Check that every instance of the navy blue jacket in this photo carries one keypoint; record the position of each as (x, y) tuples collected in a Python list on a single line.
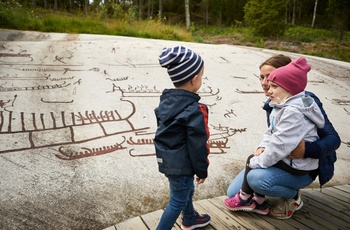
[(322, 149), (182, 134)]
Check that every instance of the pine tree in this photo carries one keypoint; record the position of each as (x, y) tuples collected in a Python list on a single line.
[(266, 17)]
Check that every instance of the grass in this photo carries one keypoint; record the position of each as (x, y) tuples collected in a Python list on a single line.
[(303, 40), (132, 28)]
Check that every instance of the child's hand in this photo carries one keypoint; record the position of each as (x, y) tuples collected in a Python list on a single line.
[(199, 181), (258, 151)]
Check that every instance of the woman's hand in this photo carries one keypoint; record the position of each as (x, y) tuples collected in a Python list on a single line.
[(299, 151)]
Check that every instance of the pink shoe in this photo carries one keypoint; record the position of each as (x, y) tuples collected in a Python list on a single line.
[(237, 204), (262, 209)]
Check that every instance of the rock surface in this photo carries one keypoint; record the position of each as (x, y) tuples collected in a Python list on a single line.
[(77, 122)]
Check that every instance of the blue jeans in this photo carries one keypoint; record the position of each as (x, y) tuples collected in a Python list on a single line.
[(181, 193), (270, 181)]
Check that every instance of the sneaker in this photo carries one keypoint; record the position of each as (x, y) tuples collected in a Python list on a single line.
[(262, 209), (200, 220), (237, 204), (286, 208)]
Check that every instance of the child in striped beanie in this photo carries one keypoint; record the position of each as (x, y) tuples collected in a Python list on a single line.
[(182, 64), (181, 136)]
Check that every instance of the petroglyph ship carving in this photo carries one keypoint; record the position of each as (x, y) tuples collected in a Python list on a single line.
[(47, 130)]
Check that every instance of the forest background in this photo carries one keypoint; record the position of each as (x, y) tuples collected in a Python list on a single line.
[(311, 27)]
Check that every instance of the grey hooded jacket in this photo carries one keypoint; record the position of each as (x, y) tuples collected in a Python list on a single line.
[(290, 122)]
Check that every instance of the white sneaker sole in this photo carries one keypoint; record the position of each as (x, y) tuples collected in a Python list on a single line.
[(195, 226), (287, 217)]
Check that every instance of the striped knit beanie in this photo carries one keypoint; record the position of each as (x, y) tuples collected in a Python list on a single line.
[(182, 64), (292, 77)]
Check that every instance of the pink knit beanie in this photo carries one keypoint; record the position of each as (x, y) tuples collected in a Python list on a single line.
[(292, 77)]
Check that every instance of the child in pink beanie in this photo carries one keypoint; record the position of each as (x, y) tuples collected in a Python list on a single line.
[(292, 77), (294, 117)]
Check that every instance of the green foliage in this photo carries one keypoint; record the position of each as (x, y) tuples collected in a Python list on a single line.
[(54, 23), (51, 25), (133, 12), (340, 10), (298, 39), (308, 34), (213, 30), (151, 29), (123, 27), (118, 12), (14, 16), (266, 17)]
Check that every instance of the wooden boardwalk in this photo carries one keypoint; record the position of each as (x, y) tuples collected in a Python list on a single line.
[(326, 209)]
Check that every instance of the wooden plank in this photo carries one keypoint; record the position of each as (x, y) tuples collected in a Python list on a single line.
[(311, 217), (338, 194), (321, 207), (246, 219), (311, 220), (327, 218), (110, 228), (151, 219), (326, 209), (179, 221), (345, 187), (335, 204), (219, 219), (290, 223), (280, 224), (132, 224)]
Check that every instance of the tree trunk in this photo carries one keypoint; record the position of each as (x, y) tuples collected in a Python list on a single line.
[(206, 12), (86, 7), (150, 9), (293, 16), (314, 16), (187, 12), (286, 16), (34, 4), (140, 9), (55, 6), (160, 10)]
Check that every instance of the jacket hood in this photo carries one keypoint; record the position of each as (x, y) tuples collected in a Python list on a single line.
[(173, 102), (306, 105)]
